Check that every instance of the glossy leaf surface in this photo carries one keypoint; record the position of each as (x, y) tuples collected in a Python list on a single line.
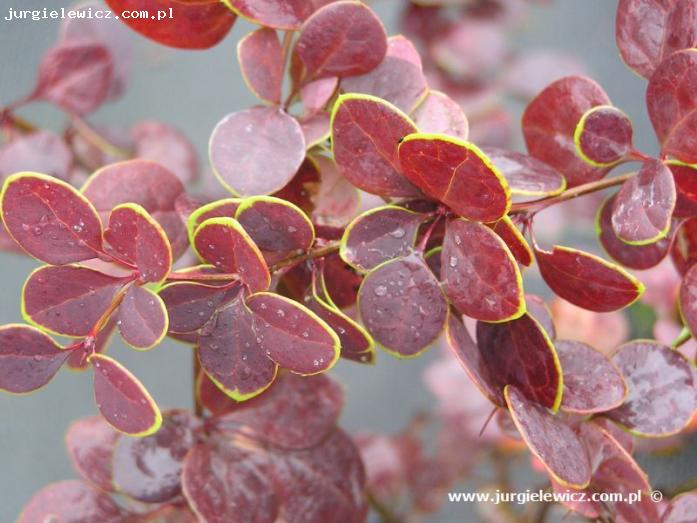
[(603, 136), (261, 60), (438, 113), (191, 304), (526, 175), (142, 318), (90, 443), (225, 208), (514, 240)]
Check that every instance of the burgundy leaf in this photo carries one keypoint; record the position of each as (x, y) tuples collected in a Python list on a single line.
[(438, 113), (190, 304), (41, 151), (149, 469), (662, 394), (684, 248), (549, 123), (591, 382), (603, 136), (514, 240), (341, 39), (122, 399), (49, 219), (292, 335), (223, 242), (537, 308), (551, 440), (480, 276), (211, 397), (142, 318), (256, 151), (261, 61), (586, 280), (225, 208), (278, 14), (529, 361), (644, 205), (366, 132), (688, 299), (671, 101), (230, 352), (316, 129), (336, 201), (379, 235), (457, 173), (402, 306), (137, 239), (167, 146), (315, 95), (68, 300), (685, 189), (90, 443), (682, 508), (526, 175), (29, 358)]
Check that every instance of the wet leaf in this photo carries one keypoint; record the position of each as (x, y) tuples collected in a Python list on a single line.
[(526, 175), (261, 61), (191, 304), (225, 208), (438, 113), (603, 136), (41, 151), (90, 442), (142, 318), (514, 240)]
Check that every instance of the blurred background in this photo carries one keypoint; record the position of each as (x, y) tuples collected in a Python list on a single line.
[(193, 91)]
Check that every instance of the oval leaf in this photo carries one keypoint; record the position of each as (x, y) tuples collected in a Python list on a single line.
[(41, 151), (526, 176), (190, 304), (142, 318), (225, 208), (440, 114), (603, 136), (279, 14), (90, 442), (261, 60), (514, 240)]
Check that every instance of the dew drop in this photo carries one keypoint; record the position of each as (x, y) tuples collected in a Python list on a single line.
[(398, 233), (380, 290)]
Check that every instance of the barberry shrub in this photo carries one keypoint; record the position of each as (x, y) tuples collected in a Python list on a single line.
[(273, 283)]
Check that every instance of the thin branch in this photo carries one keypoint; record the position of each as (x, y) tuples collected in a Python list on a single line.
[(315, 253), (90, 134)]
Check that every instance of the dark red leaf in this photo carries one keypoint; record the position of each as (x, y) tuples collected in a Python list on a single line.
[(603, 136), (223, 242), (402, 306), (149, 469), (292, 335), (71, 501), (514, 240), (438, 113), (122, 399), (457, 173), (366, 132), (550, 439), (529, 361), (144, 183), (211, 397), (167, 146), (192, 25), (247, 155), (549, 123), (688, 299), (480, 275), (684, 248), (639, 257), (671, 100), (41, 151), (279, 14), (230, 352), (643, 207), (586, 280), (225, 208), (137, 239), (75, 75), (537, 308), (341, 280), (142, 318), (261, 61), (526, 176), (190, 304), (90, 442), (647, 31), (29, 358), (341, 39), (662, 390), (379, 235), (685, 188), (591, 382), (49, 219), (68, 300)]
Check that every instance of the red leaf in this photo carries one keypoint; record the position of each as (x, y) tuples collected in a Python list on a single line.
[(365, 135), (685, 189), (122, 399), (514, 240), (144, 183), (230, 352), (211, 397), (684, 248), (603, 136), (41, 151), (29, 358), (223, 242), (480, 275), (402, 306), (341, 39), (648, 31), (68, 300), (549, 123), (551, 440), (316, 94), (71, 500), (438, 113), (662, 389), (681, 509), (671, 101), (247, 156), (190, 304), (335, 201), (644, 205), (457, 173), (261, 61), (278, 14), (539, 311), (379, 235), (591, 382), (137, 239), (586, 280), (90, 442), (149, 469), (225, 208), (75, 75), (526, 176), (529, 361), (197, 25), (143, 319), (49, 219), (167, 146), (292, 335)]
